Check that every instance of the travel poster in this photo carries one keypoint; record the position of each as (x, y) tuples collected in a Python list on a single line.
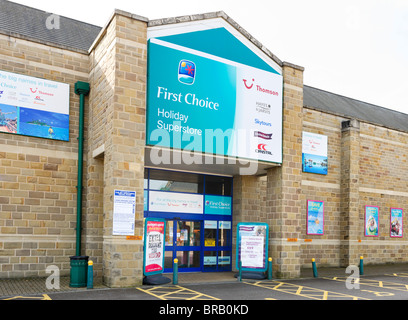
[(371, 221), (396, 223), (314, 158), (34, 107), (315, 217)]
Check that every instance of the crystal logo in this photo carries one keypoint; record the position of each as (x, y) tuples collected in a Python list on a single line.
[(262, 149), (187, 72)]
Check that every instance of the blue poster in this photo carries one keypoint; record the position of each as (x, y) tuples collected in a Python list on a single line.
[(315, 217)]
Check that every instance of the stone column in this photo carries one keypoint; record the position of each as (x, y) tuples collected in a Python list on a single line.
[(284, 183), (119, 68), (246, 205), (349, 206)]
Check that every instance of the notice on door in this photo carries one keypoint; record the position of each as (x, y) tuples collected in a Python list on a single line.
[(124, 209)]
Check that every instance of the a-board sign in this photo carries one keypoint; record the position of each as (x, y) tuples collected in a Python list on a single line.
[(153, 262), (252, 246)]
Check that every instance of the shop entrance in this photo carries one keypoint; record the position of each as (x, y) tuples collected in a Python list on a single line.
[(198, 213), (183, 242)]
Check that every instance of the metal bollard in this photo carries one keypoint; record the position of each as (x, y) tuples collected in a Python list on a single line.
[(90, 275), (314, 268), (361, 266), (240, 272), (270, 269), (175, 272)]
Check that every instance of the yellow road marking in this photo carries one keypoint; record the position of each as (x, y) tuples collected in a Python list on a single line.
[(376, 283), (176, 293), (308, 292), (44, 297)]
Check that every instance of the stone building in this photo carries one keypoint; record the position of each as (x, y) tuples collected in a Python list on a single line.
[(363, 168)]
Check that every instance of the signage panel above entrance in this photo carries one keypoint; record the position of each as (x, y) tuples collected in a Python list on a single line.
[(213, 101)]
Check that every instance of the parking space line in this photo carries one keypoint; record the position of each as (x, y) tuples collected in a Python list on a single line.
[(176, 293), (302, 291), (376, 283), (44, 297)]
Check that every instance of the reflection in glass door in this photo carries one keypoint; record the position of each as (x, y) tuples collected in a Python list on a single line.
[(183, 241)]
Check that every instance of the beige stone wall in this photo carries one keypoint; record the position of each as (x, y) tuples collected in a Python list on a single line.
[(367, 166), (119, 66), (38, 177)]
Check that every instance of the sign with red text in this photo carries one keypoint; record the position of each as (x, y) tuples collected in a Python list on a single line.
[(154, 246)]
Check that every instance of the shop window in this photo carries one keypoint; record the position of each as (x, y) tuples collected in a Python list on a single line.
[(224, 239), (221, 186), (176, 181)]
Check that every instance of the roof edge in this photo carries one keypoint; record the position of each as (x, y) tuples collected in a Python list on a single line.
[(111, 17), (214, 15)]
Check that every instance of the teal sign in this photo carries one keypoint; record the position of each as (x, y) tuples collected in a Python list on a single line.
[(218, 205), (201, 97)]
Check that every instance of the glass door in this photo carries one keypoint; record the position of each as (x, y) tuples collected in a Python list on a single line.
[(183, 241)]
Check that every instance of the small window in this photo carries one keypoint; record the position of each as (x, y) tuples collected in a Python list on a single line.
[(221, 186)]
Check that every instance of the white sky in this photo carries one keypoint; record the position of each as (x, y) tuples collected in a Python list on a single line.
[(356, 48)]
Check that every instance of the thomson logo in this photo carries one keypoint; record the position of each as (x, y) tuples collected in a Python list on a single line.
[(251, 84)]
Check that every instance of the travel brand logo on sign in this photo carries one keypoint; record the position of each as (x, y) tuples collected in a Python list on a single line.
[(187, 72), (34, 107), (215, 116)]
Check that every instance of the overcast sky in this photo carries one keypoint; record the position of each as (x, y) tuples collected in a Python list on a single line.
[(356, 48)]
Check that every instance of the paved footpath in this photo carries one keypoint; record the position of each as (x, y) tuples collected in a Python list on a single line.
[(388, 282)]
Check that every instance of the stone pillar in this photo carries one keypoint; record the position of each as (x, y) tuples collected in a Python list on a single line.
[(349, 206), (246, 205), (119, 68), (284, 183)]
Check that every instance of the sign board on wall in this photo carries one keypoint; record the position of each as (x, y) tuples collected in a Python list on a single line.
[(252, 246), (34, 107), (124, 213), (175, 202), (153, 262), (314, 158), (315, 217), (200, 101)]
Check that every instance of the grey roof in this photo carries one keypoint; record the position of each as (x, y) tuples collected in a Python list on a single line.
[(350, 108), (31, 23), (27, 22)]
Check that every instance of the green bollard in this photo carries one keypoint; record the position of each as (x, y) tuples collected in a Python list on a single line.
[(314, 268), (90, 275), (270, 269), (361, 266), (175, 272), (240, 272)]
